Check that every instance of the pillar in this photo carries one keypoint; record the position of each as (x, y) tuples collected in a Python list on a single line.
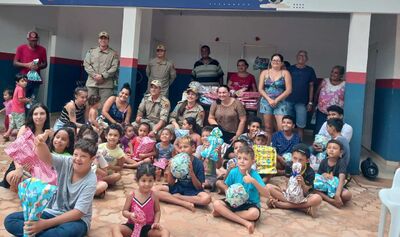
[(357, 57), (130, 49)]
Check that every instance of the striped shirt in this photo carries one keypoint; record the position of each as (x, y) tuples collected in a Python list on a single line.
[(210, 72), (80, 114)]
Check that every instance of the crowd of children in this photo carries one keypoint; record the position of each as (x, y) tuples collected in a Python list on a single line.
[(90, 161)]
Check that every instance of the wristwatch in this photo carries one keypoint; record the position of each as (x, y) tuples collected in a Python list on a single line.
[(310, 103), (155, 132)]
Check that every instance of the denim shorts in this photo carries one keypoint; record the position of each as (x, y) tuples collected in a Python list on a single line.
[(299, 111), (282, 108)]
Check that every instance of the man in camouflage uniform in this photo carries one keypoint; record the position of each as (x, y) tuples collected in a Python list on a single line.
[(153, 109), (101, 64), (160, 68)]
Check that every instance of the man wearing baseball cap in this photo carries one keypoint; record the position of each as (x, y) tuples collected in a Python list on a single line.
[(153, 109), (161, 69), (24, 56), (101, 64)]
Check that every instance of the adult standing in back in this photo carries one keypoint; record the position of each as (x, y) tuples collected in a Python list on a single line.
[(101, 64), (161, 69), (207, 70), (24, 56), (301, 99)]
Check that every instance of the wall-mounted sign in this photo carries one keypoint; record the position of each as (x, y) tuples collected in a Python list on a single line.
[(340, 6)]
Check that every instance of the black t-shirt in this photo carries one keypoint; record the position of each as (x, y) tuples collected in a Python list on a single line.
[(308, 175), (338, 168)]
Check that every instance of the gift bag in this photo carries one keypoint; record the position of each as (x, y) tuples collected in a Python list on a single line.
[(33, 75), (326, 185), (265, 159), (180, 165), (161, 163), (181, 133), (146, 145), (236, 195), (140, 221), (321, 140), (22, 151), (315, 160), (294, 193), (215, 140), (34, 195)]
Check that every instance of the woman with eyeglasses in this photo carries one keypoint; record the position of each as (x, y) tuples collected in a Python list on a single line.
[(275, 85)]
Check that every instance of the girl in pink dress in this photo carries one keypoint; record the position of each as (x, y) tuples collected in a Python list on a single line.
[(142, 208)]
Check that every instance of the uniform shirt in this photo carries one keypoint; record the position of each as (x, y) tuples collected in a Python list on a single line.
[(162, 70), (26, 54), (154, 110), (101, 62), (195, 112)]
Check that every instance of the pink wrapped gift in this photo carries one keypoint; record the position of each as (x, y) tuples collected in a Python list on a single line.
[(250, 94), (22, 151), (161, 163), (146, 145)]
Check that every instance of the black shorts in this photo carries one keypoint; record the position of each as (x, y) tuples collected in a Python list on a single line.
[(145, 229), (244, 207)]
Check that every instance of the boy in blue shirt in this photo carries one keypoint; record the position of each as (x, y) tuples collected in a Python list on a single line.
[(248, 213)]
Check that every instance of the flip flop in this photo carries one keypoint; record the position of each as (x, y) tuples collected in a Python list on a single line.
[(271, 203)]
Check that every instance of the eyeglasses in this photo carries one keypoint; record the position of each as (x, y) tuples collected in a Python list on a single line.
[(160, 50), (276, 61)]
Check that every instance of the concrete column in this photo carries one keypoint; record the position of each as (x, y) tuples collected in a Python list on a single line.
[(130, 49), (357, 57)]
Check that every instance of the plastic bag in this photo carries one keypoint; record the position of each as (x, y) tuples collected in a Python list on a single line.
[(236, 195), (294, 193), (214, 140), (146, 145), (32, 74), (326, 185), (180, 165), (22, 151)]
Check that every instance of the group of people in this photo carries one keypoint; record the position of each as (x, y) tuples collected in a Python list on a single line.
[(89, 149)]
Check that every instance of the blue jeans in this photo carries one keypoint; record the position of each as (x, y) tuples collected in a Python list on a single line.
[(299, 112), (320, 120), (14, 224)]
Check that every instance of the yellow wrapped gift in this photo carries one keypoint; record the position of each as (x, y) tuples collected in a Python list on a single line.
[(265, 159)]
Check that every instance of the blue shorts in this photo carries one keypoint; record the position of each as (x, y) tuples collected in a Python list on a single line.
[(183, 190), (299, 112), (282, 108)]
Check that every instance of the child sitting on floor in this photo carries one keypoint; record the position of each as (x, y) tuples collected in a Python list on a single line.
[(69, 212), (62, 142), (142, 208), (127, 140), (164, 150), (300, 154), (138, 158), (210, 166), (334, 166), (188, 190), (94, 105), (112, 153), (194, 129), (253, 127), (249, 212)]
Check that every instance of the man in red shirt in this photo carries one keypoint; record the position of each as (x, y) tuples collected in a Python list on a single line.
[(24, 57)]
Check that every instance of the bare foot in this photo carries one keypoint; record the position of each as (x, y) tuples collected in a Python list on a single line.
[(312, 211), (190, 206), (250, 227), (215, 213)]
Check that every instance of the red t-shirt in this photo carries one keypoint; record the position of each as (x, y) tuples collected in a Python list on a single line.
[(238, 82), (25, 54), (17, 106)]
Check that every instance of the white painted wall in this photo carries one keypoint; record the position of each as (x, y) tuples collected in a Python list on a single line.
[(323, 35), (17, 21)]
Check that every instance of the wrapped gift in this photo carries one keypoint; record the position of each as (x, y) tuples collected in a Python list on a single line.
[(236, 195), (161, 163), (315, 160), (250, 94), (287, 157), (180, 165), (181, 133), (214, 140), (321, 140), (33, 75), (328, 186), (294, 193), (34, 195), (146, 145), (265, 159), (22, 151), (140, 221)]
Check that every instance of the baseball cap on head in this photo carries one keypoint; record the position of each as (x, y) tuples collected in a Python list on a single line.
[(302, 148), (32, 36), (161, 47), (104, 34), (156, 83)]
